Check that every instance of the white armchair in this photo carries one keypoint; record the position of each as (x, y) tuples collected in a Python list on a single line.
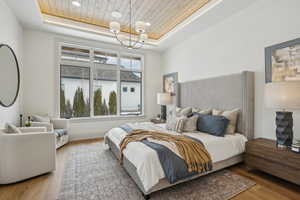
[(58, 126), (27, 154), (61, 127)]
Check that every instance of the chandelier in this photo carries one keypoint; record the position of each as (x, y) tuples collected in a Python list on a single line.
[(136, 36)]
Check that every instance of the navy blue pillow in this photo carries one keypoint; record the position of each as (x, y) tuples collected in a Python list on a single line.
[(212, 124)]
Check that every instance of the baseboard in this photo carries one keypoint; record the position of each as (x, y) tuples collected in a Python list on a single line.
[(84, 136)]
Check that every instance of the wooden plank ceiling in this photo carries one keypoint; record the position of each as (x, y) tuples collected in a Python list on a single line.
[(163, 15)]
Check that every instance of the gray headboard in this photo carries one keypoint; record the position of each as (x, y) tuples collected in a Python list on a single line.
[(224, 92)]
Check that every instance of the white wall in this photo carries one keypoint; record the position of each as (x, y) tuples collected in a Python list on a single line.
[(11, 33), (235, 44), (40, 81)]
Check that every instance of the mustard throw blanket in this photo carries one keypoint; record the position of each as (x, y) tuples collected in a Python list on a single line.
[(193, 153)]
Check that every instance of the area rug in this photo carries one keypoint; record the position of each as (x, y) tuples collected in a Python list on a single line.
[(93, 173)]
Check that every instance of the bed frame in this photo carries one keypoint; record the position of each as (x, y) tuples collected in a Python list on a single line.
[(224, 92)]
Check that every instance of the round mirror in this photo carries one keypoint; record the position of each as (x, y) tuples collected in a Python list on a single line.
[(9, 76)]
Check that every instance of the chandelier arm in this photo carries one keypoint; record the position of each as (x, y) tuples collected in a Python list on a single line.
[(136, 42), (134, 46), (130, 26), (141, 45), (121, 42)]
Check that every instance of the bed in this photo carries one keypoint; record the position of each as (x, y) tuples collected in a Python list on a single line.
[(224, 92)]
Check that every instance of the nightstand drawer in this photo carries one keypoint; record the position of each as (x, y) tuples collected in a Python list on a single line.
[(277, 169), (271, 153)]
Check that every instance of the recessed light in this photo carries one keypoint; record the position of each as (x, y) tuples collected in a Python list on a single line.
[(116, 14), (148, 24), (76, 3)]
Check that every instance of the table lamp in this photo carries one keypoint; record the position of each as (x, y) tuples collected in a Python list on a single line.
[(283, 96), (164, 99)]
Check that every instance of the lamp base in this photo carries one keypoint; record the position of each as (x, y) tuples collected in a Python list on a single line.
[(163, 112), (284, 129)]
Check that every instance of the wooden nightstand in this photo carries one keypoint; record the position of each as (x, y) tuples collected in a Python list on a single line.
[(263, 154), (158, 121)]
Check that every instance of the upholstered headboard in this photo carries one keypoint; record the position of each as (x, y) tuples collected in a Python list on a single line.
[(224, 92)]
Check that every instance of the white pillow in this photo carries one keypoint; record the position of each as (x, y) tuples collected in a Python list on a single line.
[(176, 124), (190, 124), (40, 118), (10, 128), (204, 112), (183, 111), (195, 109), (180, 121)]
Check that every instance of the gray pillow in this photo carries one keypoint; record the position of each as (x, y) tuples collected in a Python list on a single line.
[(231, 115), (10, 128), (212, 124), (190, 124)]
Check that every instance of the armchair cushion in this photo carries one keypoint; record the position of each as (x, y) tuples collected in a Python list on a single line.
[(60, 123), (47, 125), (33, 129)]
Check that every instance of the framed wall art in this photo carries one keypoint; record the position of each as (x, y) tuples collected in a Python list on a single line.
[(170, 83), (283, 61)]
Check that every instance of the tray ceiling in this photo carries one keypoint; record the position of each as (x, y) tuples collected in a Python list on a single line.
[(163, 15)]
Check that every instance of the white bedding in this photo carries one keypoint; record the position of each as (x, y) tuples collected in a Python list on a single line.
[(147, 162)]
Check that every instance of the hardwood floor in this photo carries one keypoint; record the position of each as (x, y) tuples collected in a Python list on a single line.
[(46, 187)]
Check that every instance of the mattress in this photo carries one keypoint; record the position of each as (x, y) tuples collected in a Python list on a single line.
[(147, 163)]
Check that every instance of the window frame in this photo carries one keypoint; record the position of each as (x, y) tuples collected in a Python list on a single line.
[(91, 65)]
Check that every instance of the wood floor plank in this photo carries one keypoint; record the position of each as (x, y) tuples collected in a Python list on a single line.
[(286, 189), (46, 187)]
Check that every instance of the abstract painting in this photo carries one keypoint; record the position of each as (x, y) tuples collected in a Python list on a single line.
[(170, 83), (283, 62)]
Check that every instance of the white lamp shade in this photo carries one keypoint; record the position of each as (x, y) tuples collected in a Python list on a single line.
[(140, 27), (283, 95), (164, 99)]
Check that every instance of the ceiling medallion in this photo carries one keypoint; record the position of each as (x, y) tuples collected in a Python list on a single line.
[(136, 37)]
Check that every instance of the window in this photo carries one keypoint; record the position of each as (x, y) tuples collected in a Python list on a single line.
[(131, 62), (74, 91), (105, 92), (95, 82), (105, 58), (77, 54), (131, 76), (75, 84)]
